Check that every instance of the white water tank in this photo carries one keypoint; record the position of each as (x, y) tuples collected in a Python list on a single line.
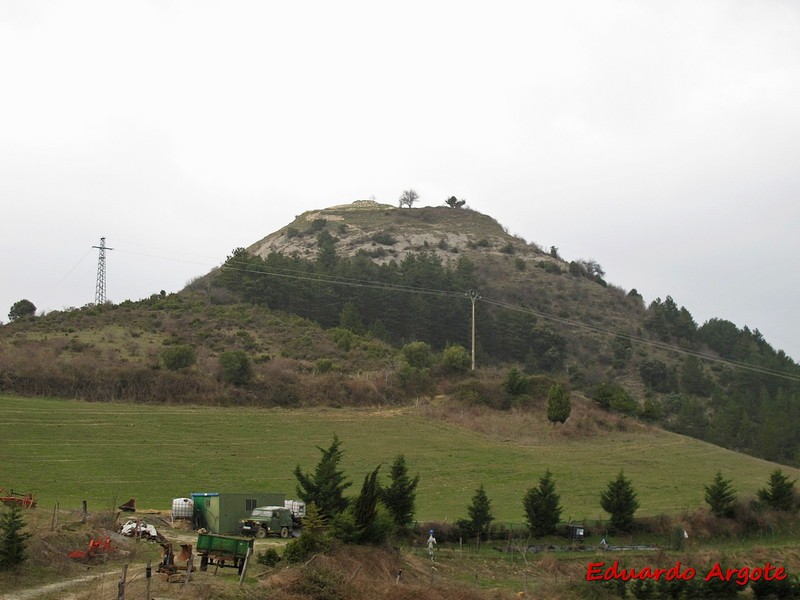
[(182, 508)]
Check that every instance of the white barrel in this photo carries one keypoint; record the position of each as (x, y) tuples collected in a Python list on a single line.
[(182, 508)]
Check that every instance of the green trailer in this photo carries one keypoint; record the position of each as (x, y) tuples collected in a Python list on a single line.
[(223, 550)]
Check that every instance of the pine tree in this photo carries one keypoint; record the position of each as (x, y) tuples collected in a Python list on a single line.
[(12, 539), (327, 485), (720, 496), (542, 507), (779, 493), (559, 406), (400, 496), (619, 500), (480, 514)]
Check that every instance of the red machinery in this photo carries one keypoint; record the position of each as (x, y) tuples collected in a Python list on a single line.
[(96, 549), (13, 498)]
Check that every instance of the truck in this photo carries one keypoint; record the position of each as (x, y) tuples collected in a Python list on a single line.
[(268, 520), (223, 550)]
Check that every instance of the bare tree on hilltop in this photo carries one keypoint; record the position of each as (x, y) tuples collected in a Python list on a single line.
[(408, 197)]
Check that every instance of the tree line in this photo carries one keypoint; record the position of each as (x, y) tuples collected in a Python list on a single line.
[(416, 299), (750, 408), (380, 512)]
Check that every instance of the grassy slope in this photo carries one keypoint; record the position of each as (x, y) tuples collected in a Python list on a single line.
[(66, 451)]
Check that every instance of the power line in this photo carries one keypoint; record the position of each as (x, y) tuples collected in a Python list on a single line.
[(334, 280)]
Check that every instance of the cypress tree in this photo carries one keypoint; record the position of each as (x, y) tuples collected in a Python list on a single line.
[(365, 507), (559, 406)]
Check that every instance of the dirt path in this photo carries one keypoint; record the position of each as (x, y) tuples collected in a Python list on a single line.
[(64, 586)]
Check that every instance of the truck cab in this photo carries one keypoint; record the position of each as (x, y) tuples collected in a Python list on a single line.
[(268, 520)]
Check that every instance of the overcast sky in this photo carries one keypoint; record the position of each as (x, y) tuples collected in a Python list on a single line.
[(661, 139)]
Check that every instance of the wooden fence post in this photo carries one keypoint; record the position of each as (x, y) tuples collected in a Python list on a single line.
[(189, 565), (244, 566), (148, 574), (121, 584)]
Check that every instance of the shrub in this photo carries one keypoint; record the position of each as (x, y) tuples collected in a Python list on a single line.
[(323, 365), (268, 558), (550, 267), (515, 383), (656, 375), (384, 238), (343, 338), (415, 381), (300, 548), (418, 355), (317, 225), (651, 410), (311, 541), (236, 368), (623, 402), (179, 357), (612, 396), (456, 359), (470, 392)]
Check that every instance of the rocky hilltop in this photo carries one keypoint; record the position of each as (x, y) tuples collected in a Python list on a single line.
[(366, 225)]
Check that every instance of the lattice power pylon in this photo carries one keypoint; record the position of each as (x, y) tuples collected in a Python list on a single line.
[(100, 289)]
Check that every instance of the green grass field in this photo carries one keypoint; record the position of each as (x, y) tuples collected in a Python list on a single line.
[(67, 451)]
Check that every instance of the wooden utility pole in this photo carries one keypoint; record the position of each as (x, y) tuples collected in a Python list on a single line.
[(473, 295)]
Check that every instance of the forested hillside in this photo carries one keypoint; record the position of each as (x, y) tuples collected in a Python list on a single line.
[(369, 304)]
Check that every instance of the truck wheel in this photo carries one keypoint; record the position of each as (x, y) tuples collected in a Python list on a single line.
[(284, 532), (261, 533)]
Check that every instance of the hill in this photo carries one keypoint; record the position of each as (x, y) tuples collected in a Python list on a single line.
[(327, 309)]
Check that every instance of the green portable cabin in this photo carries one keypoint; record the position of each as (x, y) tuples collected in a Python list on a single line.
[(220, 512)]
